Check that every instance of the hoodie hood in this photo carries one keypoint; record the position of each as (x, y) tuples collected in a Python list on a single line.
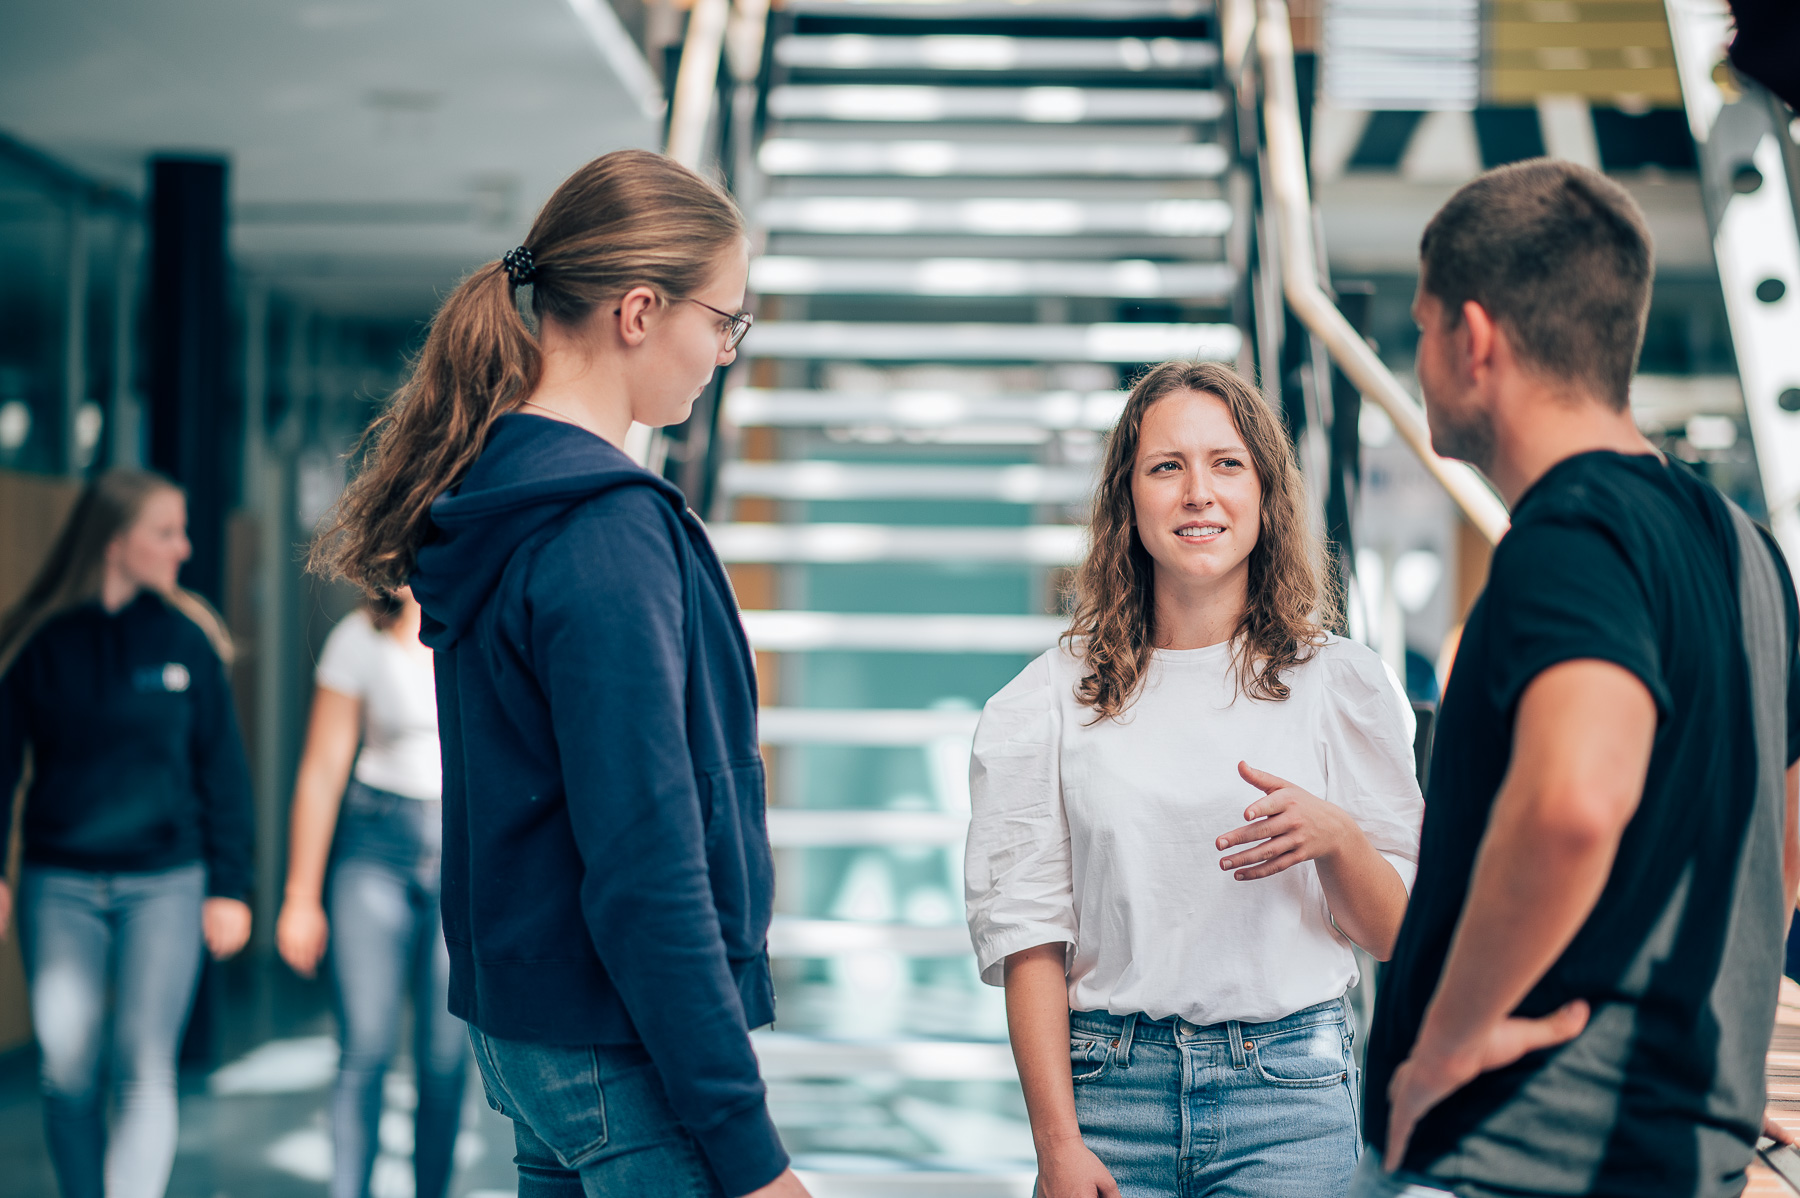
[(532, 471)]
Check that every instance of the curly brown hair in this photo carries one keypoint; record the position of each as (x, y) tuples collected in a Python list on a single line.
[(1290, 603)]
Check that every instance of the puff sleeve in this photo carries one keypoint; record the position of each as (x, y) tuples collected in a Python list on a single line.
[(1366, 728), (1017, 878)]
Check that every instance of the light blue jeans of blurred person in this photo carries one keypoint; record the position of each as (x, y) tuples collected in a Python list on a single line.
[(1371, 1182), (135, 937), (387, 941), (1226, 1110)]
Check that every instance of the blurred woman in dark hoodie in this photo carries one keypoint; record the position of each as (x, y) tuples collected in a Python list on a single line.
[(607, 884), (137, 823)]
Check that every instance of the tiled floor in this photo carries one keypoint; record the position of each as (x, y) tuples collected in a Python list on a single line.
[(1784, 1093), (255, 1127)]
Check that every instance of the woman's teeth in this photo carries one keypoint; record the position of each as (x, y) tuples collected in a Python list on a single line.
[(1201, 530)]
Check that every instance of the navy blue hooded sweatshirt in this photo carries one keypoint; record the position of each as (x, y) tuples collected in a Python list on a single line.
[(136, 764), (606, 876)]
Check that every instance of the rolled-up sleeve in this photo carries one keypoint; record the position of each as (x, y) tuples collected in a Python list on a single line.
[(1367, 730), (1017, 880)]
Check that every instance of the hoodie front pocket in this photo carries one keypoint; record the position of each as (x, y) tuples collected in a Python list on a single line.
[(737, 854)]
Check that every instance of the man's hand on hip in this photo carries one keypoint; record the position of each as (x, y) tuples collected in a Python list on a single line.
[(1429, 1076)]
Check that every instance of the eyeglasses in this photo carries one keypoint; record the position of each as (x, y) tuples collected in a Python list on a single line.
[(738, 323)]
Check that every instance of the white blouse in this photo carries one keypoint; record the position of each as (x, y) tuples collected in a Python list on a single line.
[(398, 688), (1102, 835)]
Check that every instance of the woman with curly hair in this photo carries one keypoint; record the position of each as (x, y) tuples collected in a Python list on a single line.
[(1183, 819)]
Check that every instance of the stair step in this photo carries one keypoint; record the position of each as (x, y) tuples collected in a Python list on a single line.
[(793, 828), (992, 52), (1023, 10), (1044, 544), (787, 1056), (808, 631), (753, 407), (995, 216), (1107, 342), (1045, 105), (906, 166), (862, 726), (856, 480), (777, 274), (985, 159), (791, 936)]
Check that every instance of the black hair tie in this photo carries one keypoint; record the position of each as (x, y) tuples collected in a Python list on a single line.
[(521, 267)]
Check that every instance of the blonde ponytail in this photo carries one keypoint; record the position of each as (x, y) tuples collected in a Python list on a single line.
[(477, 363), (630, 218)]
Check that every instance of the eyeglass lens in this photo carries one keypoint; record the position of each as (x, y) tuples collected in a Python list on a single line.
[(740, 325)]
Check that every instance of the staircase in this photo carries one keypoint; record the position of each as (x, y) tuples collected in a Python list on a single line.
[(981, 218), (1749, 153)]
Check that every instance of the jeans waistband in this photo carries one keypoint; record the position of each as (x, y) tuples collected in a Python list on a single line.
[(391, 829), (360, 796), (1175, 1029)]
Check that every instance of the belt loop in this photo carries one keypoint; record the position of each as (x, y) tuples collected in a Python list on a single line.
[(1125, 1037), (1235, 1032)]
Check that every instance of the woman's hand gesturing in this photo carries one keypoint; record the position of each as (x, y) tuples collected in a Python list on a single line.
[(1291, 824)]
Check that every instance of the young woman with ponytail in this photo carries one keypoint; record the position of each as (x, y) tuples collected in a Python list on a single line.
[(137, 823), (607, 884)]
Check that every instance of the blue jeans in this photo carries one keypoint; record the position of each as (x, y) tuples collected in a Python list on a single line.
[(1226, 1110), (138, 936), (387, 939), (1371, 1182), (590, 1121)]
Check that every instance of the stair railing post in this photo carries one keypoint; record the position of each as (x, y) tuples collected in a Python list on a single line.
[(1292, 222)]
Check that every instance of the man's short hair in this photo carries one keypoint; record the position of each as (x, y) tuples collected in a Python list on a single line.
[(1560, 256)]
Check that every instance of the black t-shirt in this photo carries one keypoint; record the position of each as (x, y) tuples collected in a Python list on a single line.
[(1626, 560)]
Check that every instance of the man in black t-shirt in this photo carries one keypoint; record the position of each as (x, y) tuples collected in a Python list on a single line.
[(1583, 991)]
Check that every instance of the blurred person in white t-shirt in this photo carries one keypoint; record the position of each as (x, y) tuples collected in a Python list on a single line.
[(363, 867)]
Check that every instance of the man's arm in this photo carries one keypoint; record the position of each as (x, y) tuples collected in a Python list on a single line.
[(1581, 750)]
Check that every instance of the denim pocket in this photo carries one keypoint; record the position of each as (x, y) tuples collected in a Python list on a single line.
[(554, 1089), (1303, 1058), (1089, 1055), (484, 1067)]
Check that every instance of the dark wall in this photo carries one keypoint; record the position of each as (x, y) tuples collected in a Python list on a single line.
[(193, 429)]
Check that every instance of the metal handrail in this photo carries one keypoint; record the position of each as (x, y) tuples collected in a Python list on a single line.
[(1292, 220), (690, 113), (65, 178), (697, 81)]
